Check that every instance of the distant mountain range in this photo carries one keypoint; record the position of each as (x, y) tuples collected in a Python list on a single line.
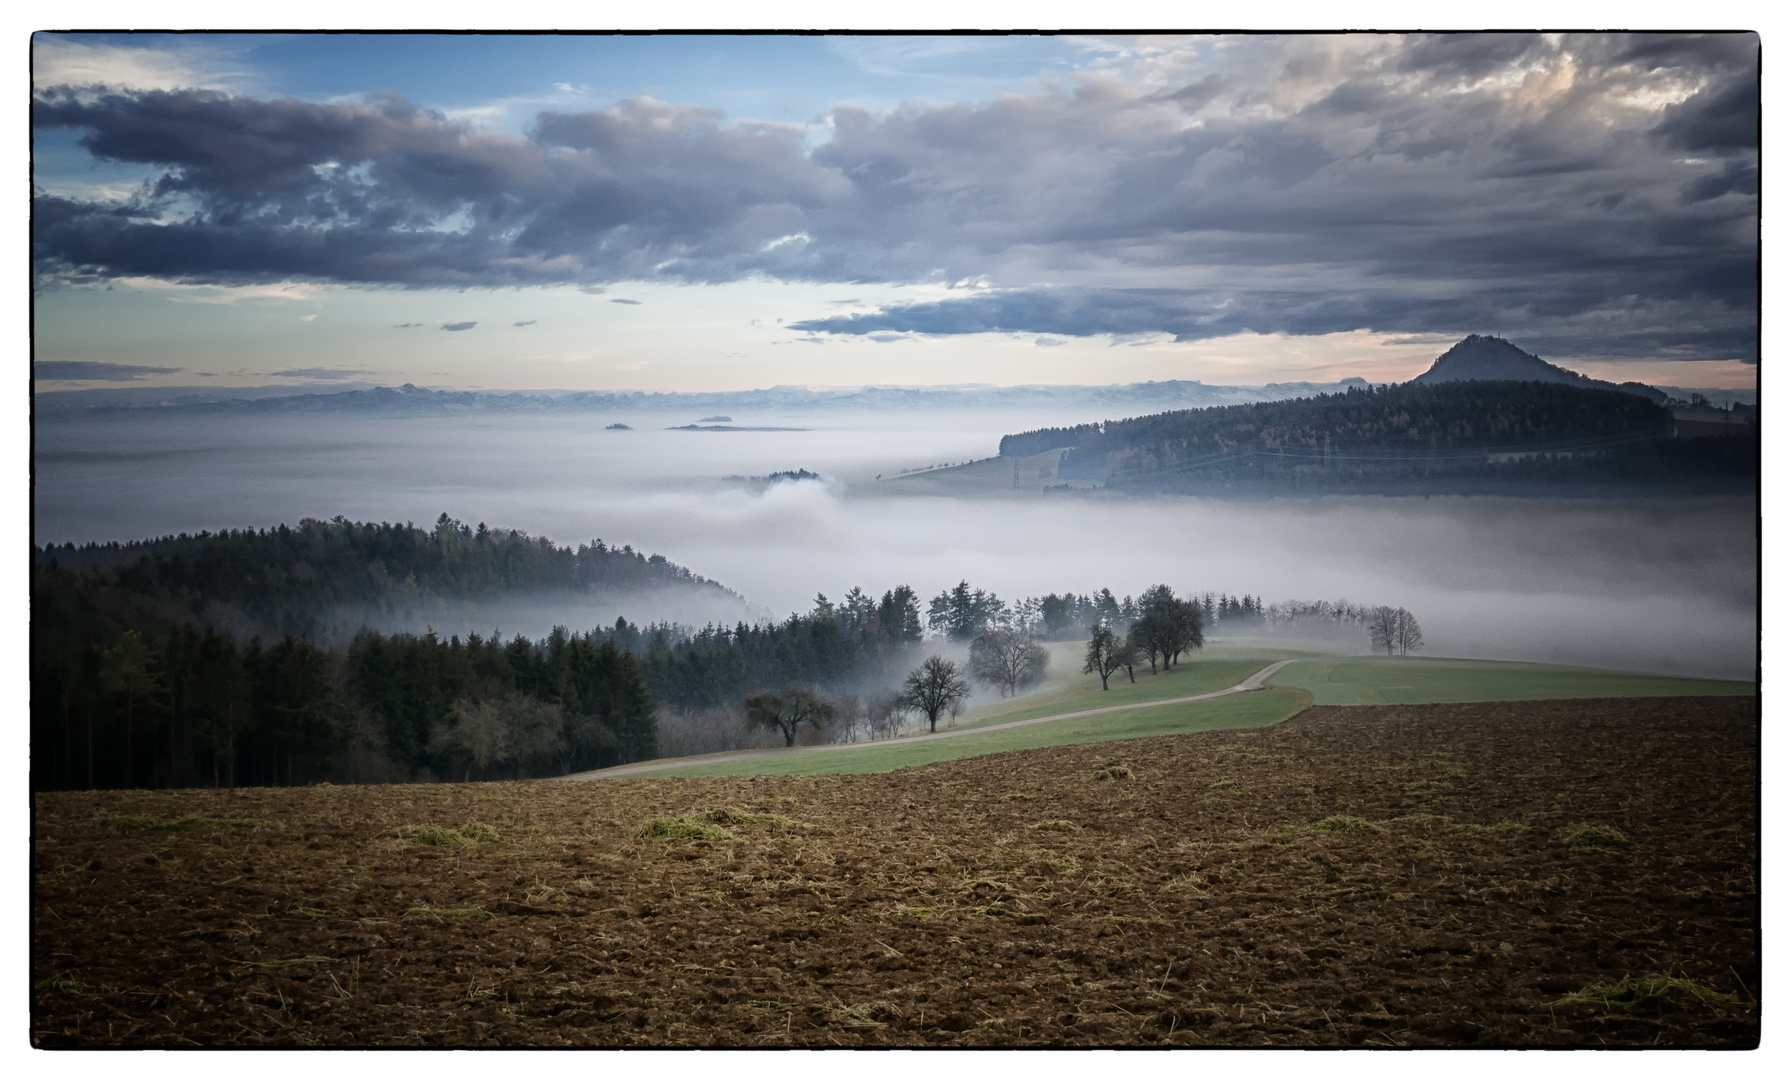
[(419, 401), (1476, 357)]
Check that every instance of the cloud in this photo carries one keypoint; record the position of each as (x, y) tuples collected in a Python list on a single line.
[(319, 373), (1597, 192), (456, 327), (63, 61), (1687, 330), (525, 322), (621, 301), (91, 371), (407, 326)]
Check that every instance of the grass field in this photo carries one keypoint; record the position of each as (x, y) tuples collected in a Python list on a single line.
[(1320, 680), (1253, 710), (1068, 690), (1367, 680)]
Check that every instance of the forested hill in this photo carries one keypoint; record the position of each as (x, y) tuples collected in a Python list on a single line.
[(1493, 359), (284, 580), (1456, 436)]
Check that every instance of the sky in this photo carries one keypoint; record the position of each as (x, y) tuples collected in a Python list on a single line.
[(714, 213)]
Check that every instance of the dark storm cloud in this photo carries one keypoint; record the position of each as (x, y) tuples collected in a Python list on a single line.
[(456, 327), (1542, 186), (90, 371)]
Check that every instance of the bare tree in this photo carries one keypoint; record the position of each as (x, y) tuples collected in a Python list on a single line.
[(1105, 651), (789, 710), (1008, 659), (884, 715), (1125, 654), (1406, 634), (934, 688), (1383, 629)]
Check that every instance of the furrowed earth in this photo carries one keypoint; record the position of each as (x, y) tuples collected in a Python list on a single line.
[(1558, 873)]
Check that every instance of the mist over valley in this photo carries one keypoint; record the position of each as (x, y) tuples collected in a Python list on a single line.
[(1654, 584)]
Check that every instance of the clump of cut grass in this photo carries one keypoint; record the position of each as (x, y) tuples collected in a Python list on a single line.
[(914, 913), (62, 984), (1056, 825), (1188, 884), (1223, 785), (472, 832), (733, 815), (130, 823), (1062, 864), (435, 836), (680, 828), (1595, 837), (1113, 772), (1343, 823), (1422, 819), (1653, 990), (996, 910)]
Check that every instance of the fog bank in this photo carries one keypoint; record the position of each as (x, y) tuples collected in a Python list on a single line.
[(1656, 585)]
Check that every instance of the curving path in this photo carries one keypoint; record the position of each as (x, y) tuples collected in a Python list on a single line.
[(1254, 682)]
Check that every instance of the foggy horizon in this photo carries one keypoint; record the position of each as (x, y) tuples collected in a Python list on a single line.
[(1561, 580)]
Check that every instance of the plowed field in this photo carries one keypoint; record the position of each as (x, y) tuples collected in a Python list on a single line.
[(1412, 875)]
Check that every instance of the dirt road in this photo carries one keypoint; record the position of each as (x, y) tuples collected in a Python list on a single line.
[(1254, 682)]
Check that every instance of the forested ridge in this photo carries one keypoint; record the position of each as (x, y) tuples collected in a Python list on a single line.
[(215, 659), (287, 580), (1457, 436)]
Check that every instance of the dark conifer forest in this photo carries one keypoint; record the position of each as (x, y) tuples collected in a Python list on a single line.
[(208, 660), (200, 661)]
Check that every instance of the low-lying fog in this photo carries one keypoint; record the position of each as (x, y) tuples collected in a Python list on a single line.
[(1653, 585)]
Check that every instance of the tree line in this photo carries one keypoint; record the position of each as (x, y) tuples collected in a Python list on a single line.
[(183, 705), (133, 687), (287, 580)]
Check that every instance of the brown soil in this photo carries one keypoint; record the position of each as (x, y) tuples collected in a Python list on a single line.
[(1004, 900)]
